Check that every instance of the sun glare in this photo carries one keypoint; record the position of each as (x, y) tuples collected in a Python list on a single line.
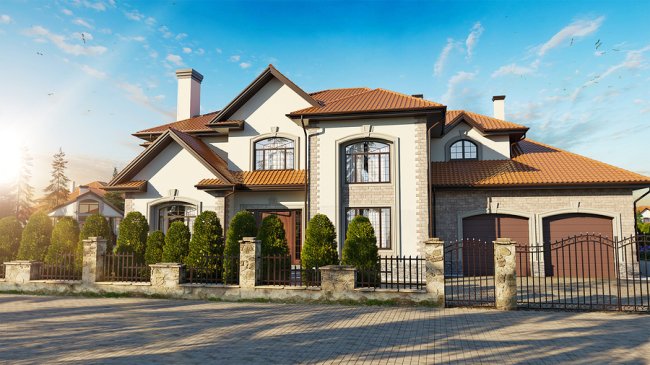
[(10, 160)]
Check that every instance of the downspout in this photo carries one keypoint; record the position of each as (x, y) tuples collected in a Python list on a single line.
[(636, 227), (431, 200)]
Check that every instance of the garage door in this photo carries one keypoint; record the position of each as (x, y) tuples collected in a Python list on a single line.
[(480, 230), (578, 245)]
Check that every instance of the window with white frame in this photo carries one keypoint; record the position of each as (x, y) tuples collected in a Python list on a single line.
[(380, 220), (274, 153)]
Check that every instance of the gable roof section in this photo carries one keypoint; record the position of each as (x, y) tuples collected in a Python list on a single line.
[(193, 145), (195, 125), (482, 122), (536, 165), (269, 73), (642, 208), (329, 95), (93, 189), (370, 101)]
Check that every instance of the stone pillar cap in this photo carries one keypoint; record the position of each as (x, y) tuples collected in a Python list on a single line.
[(504, 241), (433, 240), (338, 267)]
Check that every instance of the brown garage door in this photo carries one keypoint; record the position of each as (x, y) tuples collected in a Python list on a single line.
[(486, 228), (578, 245)]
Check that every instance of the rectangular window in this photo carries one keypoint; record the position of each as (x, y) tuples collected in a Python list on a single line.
[(380, 220), (88, 207), (367, 162)]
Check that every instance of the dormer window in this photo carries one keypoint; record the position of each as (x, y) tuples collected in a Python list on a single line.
[(274, 153), (463, 150)]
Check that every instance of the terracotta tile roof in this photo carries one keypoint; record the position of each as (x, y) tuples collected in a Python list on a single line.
[(196, 124), (327, 96), (133, 185), (262, 178), (370, 101), (96, 187), (483, 122), (205, 152), (641, 208), (532, 164)]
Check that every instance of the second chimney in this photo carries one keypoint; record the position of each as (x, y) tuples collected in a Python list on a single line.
[(189, 93), (499, 102)]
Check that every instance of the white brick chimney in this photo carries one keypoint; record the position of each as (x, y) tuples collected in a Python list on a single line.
[(499, 102), (189, 93)]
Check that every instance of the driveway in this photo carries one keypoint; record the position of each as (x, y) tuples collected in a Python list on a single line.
[(40, 329)]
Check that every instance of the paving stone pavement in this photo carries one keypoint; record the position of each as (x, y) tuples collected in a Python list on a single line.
[(46, 330)]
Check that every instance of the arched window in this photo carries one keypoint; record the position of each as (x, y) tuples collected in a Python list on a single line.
[(169, 214), (88, 206), (274, 153), (367, 162), (463, 150)]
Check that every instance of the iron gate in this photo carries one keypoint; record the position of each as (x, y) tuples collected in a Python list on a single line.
[(585, 272), (469, 273)]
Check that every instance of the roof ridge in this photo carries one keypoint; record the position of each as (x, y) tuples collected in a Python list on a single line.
[(339, 88), (350, 96), (405, 95)]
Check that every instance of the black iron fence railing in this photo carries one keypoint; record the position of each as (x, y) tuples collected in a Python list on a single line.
[(124, 267), (278, 270), (393, 272), (64, 267), (213, 269)]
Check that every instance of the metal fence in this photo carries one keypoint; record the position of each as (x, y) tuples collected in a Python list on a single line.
[(211, 269), (393, 272), (124, 267), (469, 273), (65, 267), (278, 270)]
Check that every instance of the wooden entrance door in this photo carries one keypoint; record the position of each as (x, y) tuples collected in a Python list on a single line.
[(291, 219)]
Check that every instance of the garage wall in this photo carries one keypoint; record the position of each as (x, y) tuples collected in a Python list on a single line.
[(453, 205)]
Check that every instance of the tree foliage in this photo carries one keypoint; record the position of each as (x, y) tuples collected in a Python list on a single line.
[(242, 225), (57, 191), (132, 235), (273, 236), (35, 237), (96, 225), (177, 243), (154, 251), (10, 232), (23, 191), (64, 240), (207, 239), (320, 248), (360, 247)]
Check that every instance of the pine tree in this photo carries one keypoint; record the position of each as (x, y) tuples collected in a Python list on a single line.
[(115, 198), (57, 192), (24, 192)]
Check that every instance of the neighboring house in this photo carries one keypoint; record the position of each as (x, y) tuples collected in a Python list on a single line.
[(87, 200), (415, 169), (645, 214)]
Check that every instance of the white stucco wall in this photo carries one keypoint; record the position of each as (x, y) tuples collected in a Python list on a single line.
[(492, 147)]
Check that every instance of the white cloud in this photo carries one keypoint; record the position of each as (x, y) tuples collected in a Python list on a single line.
[(187, 50), (200, 51), (575, 30), (153, 54), (135, 38), (245, 65), (472, 38), (67, 12), (137, 94), (150, 21), (5, 19), (99, 6), (512, 69), (93, 72), (106, 31), (454, 82), (175, 59), (219, 51), (82, 22), (134, 15), (181, 36), (82, 35), (442, 59), (61, 42), (165, 31), (235, 58)]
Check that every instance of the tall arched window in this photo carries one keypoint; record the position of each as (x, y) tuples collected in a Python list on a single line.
[(169, 214), (367, 162), (274, 153), (463, 150)]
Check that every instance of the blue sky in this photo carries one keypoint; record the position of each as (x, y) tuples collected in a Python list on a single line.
[(86, 74)]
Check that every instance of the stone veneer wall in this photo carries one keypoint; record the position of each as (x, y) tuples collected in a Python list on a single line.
[(128, 205), (220, 209), (422, 188), (314, 178), (451, 203)]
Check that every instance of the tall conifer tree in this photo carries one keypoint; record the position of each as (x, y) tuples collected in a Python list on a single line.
[(57, 192)]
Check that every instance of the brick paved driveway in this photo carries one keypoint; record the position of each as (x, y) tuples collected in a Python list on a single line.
[(37, 329)]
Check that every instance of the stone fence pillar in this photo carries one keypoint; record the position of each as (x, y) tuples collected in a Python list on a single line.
[(166, 277), (505, 274), (250, 263), (93, 264), (336, 280), (434, 254), (22, 271)]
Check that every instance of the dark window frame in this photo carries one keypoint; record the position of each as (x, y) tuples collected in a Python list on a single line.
[(462, 143), (86, 203), (165, 220), (282, 150), (353, 160), (389, 241)]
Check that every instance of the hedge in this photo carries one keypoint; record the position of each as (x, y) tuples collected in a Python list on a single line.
[(96, 225), (64, 241), (207, 239), (10, 232), (132, 235), (360, 247), (273, 236), (35, 237), (154, 251), (177, 243), (242, 225), (320, 248)]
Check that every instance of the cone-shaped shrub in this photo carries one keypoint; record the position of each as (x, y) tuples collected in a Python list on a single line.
[(133, 235), (35, 237), (242, 225), (320, 243), (273, 236), (155, 244), (95, 226), (177, 243), (360, 247), (10, 231), (64, 241), (207, 239)]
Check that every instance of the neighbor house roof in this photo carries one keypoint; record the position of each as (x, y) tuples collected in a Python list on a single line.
[(96, 188), (262, 179), (532, 164), (129, 186), (482, 122), (642, 208)]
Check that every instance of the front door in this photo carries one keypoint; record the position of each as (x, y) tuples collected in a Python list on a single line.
[(291, 219)]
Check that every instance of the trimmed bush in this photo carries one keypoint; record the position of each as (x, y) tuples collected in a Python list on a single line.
[(644, 228), (96, 225), (360, 247), (207, 239), (177, 243), (273, 236), (154, 251), (320, 243), (132, 236), (64, 241), (35, 237), (242, 225), (10, 232)]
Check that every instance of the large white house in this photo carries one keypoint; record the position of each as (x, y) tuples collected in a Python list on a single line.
[(416, 169)]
